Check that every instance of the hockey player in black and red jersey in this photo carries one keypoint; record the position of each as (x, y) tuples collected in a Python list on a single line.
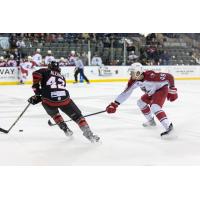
[(157, 87), (49, 88)]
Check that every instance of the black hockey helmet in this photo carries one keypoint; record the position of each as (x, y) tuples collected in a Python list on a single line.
[(54, 66)]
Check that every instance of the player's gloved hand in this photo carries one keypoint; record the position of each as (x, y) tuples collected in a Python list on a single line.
[(35, 99), (112, 107), (172, 94)]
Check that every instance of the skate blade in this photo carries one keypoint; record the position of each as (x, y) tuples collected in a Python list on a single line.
[(95, 141), (69, 136), (149, 126), (171, 136), (99, 142)]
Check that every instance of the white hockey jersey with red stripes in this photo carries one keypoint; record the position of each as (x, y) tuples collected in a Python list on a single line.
[(27, 65), (150, 84), (11, 63)]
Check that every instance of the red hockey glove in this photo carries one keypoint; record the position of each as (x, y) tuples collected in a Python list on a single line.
[(111, 108), (172, 94)]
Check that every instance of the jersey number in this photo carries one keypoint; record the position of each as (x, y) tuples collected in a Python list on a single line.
[(59, 83), (162, 76)]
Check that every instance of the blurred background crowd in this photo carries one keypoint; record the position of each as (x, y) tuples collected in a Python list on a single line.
[(100, 48)]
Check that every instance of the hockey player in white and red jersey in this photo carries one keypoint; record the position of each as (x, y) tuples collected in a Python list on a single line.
[(37, 57), (48, 58), (72, 58), (11, 62), (24, 69), (2, 62), (157, 88), (63, 62)]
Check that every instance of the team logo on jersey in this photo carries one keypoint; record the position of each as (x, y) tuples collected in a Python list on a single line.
[(152, 75)]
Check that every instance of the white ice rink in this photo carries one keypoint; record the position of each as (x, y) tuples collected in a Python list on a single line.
[(124, 140)]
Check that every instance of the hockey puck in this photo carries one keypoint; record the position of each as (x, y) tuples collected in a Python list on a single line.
[(21, 130)]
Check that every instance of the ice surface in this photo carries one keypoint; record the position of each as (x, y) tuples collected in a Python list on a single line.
[(124, 140)]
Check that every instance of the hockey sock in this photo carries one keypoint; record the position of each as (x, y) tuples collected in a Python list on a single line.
[(147, 112), (161, 116), (58, 118), (145, 109), (82, 122)]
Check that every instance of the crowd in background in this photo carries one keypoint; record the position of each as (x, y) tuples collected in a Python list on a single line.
[(150, 53)]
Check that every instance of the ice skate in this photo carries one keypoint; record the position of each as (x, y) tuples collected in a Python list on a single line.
[(149, 123), (89, 135), (65, 128), (168, 134)]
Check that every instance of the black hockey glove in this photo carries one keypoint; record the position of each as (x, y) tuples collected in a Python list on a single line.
[(35, 99)]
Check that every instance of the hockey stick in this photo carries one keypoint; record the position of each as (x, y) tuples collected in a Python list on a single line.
[(53, 124), (7, 131)]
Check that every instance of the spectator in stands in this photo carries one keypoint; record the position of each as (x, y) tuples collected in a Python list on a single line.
[(13, 41), (196, 57), (60, 38), (165, 57), (132, 58), (106, 42), (85, 36), (151, 51), (96, 60), (11, 62), (50, 37), (150, 39), (20, 43), (17, 56), (37, 57), (2, 62), (143, 56), (49, 57), (115, 62), (129, 46)]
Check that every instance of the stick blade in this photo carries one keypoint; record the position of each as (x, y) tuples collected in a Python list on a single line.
[(3, 130)]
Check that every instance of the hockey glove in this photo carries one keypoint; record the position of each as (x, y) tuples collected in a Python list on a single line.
[(35, 99), (112, 107), (172, 94)]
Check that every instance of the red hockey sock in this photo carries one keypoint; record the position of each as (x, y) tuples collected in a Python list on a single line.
[(162, 117), (147, 112), (82, 122), (58, 118)]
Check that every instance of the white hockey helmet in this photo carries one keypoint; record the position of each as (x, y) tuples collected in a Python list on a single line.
[(73, 52), (49, 52), (62, 59), (30, 58), (38, 50), (1, 58), (11, 56), (136, 69)]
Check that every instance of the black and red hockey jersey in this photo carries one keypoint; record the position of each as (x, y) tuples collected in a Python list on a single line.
[(51, 86)]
